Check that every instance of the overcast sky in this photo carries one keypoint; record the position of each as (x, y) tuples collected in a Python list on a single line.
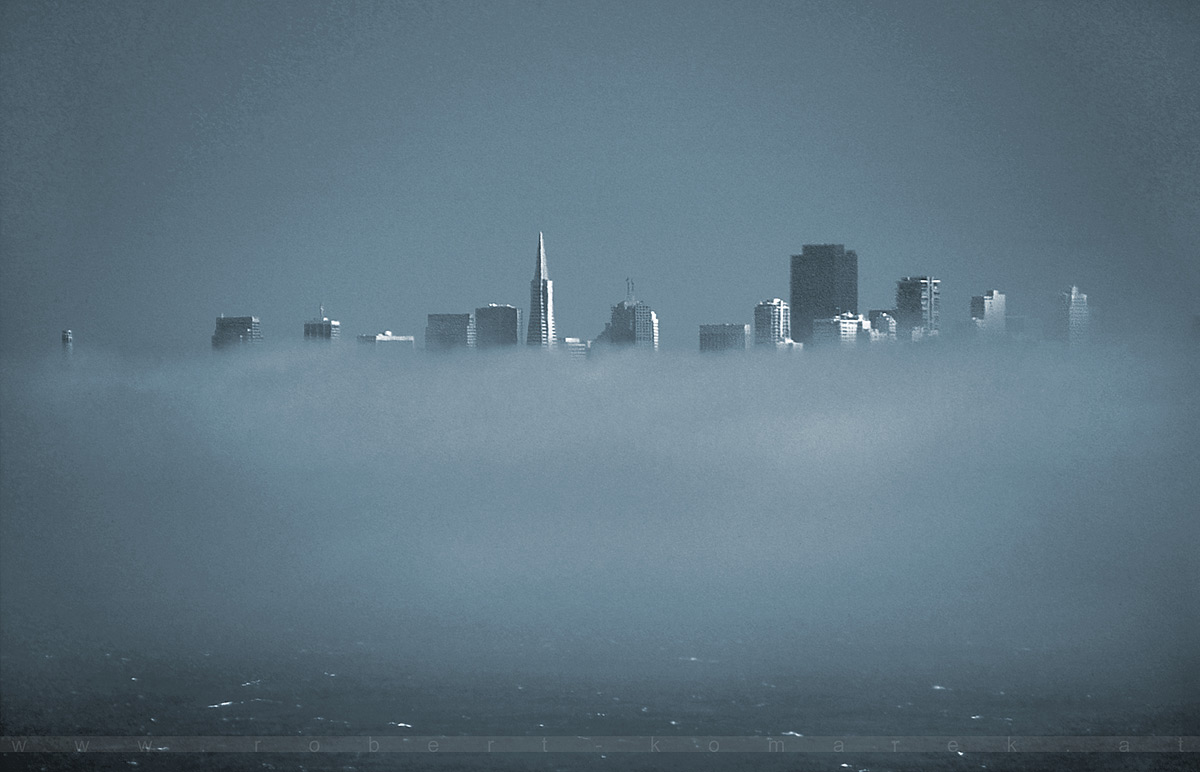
[(166, 162)]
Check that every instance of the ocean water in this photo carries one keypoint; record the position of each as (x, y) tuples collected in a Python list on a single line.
[(726, 690)]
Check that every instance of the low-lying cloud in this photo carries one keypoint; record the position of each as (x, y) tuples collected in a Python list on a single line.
[(918, 498)]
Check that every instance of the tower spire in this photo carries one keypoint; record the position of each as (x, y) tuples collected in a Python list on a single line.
[(541, 303)]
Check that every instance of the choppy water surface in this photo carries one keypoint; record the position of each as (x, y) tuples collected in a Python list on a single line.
[(56, 686)]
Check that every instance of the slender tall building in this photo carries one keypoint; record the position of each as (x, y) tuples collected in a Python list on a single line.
[(824, 283), (541, 303), (918, 307), (1074, 317)]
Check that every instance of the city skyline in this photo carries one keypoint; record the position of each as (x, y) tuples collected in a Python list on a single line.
[(391, 161), (814, 274)]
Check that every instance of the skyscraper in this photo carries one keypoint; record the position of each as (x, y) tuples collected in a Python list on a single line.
[(918, 307), (1074, 317), (322, 328), (236, 330), (988, 313), (633, 324), (824, 283), (724, 337), (497, 326), (772, 323), (541, 303), (444, 332)]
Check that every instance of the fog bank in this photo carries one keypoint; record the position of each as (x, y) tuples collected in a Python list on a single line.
[(526, 511)]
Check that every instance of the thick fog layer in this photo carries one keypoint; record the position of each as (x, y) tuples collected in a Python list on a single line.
[(532, 512)]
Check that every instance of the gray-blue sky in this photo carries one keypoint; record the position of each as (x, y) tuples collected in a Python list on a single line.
[(166, 162)]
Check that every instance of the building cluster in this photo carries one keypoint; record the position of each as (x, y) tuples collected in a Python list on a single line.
[(822, 310)]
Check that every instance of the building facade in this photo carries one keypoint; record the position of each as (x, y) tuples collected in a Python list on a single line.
[(405, 342), (322, 328), (772, 323), (576, 348), (883, 325), (988, 313), (844, 330), (236, 331), (724, 337), (497, 326), (824, 283), (633, 323), (446, 332), (1074, 317), (541, 303), (918, 307)]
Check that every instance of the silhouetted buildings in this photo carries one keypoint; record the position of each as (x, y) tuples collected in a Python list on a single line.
[(236, 330), (824, 283), (322, 328), (633, 324), (988, 313), (541, 303), (844, 329), (446, 332), (918, 307), (772, 323), (883, 324), (1074, 318), (724, 337), (497, 325)]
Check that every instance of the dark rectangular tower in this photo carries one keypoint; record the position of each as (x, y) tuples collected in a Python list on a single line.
[(497, 325), (445, 332), (824, 284)]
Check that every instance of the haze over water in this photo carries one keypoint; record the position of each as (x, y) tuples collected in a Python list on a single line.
[(850, 527)]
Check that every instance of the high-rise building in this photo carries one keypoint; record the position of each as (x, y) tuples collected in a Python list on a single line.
[(236, 330), (1074, 317), (988, 312), (322, 328), (445, 332), (541, 303), (844, 329), (497, 325), (824, 283), (918, 307), (633, 324), (724, 337), (772, 323)]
